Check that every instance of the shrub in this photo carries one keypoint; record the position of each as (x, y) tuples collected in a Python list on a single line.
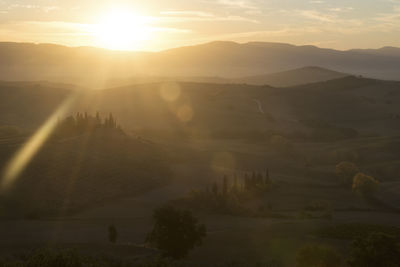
[(365, 185), (317, 256), (353, 230), (345, 171), (175, 232), (375, 250), (47, 257)]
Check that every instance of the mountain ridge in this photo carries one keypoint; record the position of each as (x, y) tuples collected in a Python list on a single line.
[(93, 67)]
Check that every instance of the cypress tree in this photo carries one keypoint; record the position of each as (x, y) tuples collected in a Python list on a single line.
[(246, 182), (267, 180), (260, 179), (225, 186), (215, 189), (235, 183)]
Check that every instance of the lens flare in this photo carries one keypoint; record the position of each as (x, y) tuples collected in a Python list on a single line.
[(32, 146), (170, 91), (185, 113)]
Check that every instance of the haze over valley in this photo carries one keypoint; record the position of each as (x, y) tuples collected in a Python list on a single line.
[(199, 133)]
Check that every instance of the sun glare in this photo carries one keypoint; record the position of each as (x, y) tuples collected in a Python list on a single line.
[(122, 29)]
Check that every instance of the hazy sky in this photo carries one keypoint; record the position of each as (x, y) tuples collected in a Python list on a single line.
[(162, 24)]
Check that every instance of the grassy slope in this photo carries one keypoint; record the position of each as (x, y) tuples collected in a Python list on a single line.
[(359, 103)]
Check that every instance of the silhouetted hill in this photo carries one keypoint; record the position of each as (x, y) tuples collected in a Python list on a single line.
[(384, 51), (95, 67), (77, 172), (203, 109), (300, 76), (229, 59)]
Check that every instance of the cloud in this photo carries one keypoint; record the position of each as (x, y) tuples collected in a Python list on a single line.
[(32, 7), (239, 4), (196, 16), (287, 31), (340, 9), (316, 15), (187, 13), (64, 32), (389, 21)]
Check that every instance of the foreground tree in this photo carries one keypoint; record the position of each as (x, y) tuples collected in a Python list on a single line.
[(365, 185), (375, 250), (317, 256), (112, 234), (345, 171), (175, 232)]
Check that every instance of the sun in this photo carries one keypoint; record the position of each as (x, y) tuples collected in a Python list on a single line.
[(122, 29)]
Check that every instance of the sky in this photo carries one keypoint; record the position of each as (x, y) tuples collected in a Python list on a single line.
[(157, 25)]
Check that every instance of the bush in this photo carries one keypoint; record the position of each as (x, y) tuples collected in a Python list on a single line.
[(317, 256), (175, 232), (375, 250), (48, 257), (345, 171), (353, 230), (365, 185)]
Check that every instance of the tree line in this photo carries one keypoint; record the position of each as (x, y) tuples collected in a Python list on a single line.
[(85, 123)]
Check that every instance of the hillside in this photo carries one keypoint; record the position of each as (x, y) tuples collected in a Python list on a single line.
[(294, 77), (201, 109), (178, 139), (75, 172)]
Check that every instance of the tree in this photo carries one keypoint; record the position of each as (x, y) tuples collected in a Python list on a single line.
[(112, 234), (365, 185), (235, 186), (317, 256), (175, 232), (225, 186), (375, 250), (345, 171), (253, 180), (260, 180), (97, 119), (267, 179), (215, 189), (246, 182)]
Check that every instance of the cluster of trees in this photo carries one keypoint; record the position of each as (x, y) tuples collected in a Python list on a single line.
[(374, 250), (84, 123), (174, 234), (250, 183), (227, 197), (361, 183)]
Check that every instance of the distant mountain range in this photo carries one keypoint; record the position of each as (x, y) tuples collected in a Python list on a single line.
[(256, 61)]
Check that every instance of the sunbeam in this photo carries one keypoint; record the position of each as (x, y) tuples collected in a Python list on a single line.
[(23, 156)]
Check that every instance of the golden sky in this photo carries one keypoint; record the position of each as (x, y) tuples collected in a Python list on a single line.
[(156, 25)]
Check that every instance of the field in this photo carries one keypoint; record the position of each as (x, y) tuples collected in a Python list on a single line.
[(299, 134)]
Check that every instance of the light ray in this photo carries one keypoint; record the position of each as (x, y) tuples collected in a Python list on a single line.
[(23, 156)]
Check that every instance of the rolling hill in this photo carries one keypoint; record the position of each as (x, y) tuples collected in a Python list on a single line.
[(95, 67), (70, 174), (202, 109), (294, 77)]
